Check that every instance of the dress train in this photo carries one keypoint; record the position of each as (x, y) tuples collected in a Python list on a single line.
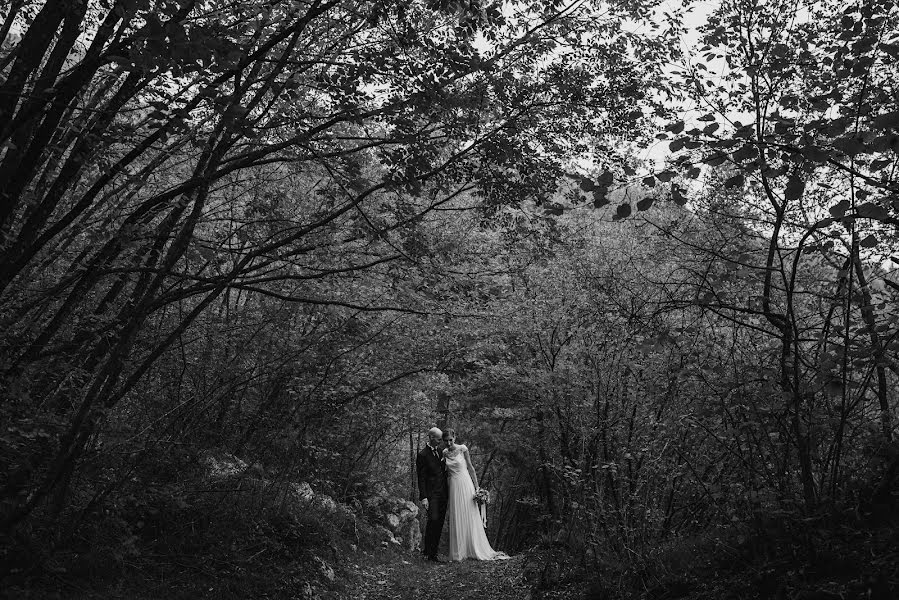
[(467, 538)]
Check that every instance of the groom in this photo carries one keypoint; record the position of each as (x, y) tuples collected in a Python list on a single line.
[(433, 490)]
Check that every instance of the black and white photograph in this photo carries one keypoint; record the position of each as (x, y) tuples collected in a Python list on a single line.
[(449, 300)]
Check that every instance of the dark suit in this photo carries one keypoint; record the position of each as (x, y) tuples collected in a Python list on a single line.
[(432, 485)]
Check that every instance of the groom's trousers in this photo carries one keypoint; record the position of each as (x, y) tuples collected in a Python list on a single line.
[(436, 515)]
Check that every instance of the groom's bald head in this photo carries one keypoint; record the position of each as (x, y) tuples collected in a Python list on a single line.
[(434, 435)]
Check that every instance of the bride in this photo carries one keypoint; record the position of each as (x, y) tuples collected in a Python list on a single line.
[(467, 538)]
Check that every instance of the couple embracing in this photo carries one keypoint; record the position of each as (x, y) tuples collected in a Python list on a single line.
[(447, 486)]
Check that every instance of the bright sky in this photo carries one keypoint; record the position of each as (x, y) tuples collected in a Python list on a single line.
[(695, 16)]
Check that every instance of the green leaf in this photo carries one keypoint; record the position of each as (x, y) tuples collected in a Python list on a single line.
[(677, 195), (623, 212), (745, 153), (645, 203), (839, 209), (605, 179), (815, 154), (871, 210), (794, 188), (869, 242), (850, 145), (676, 128), (888, 120), (880, 164), (715, 160), (649, 181), (736, 181)]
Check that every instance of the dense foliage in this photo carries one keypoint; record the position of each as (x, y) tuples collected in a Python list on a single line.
[(302, 232)]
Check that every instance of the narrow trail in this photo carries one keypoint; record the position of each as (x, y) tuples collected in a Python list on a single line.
[(415, 578)]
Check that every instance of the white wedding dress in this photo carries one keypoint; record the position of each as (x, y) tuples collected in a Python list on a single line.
[(467, 538)]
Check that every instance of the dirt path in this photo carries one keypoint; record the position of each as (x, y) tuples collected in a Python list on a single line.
[(415, 578)]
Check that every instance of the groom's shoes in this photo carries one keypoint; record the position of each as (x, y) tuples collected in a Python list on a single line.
[(432, 559)]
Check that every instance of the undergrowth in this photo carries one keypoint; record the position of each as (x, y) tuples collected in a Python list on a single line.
[(827, 557), (191, 537)]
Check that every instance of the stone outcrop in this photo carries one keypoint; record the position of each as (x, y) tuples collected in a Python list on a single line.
[(222, 465), (395, 519), (302, 492), (398, 517)]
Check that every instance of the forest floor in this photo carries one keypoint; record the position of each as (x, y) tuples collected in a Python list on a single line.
[(208, 551), (415, 578)]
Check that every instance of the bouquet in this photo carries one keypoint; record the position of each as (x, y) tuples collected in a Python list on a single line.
[(482, 497)]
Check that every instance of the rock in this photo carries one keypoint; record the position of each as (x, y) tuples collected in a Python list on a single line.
[(345, 511), (393, 521), (220, 465), (396, 518), (303, 491), (371, 504), (382, 532), (307, 592), (411, 533), (326, 502), (323, 568), (386, 536)]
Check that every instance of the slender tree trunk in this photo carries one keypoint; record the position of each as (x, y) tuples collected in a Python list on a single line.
[(867, 310)]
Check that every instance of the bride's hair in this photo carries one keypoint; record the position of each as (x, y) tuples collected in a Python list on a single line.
[(449, 433)]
